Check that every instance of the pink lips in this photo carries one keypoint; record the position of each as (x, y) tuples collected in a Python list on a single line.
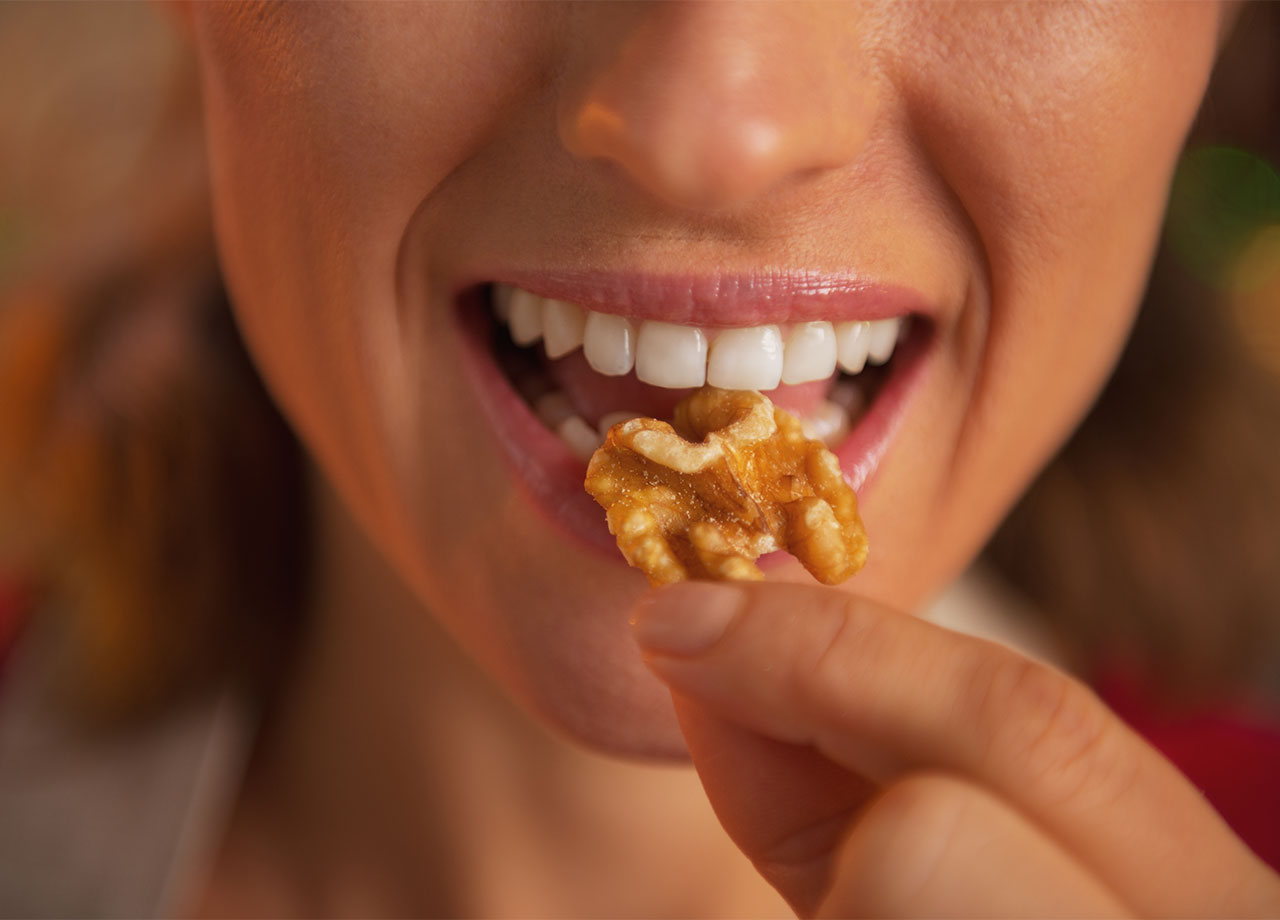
[(722, 300), (552, 477)]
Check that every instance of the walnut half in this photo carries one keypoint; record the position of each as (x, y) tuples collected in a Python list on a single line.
[(733, 478)]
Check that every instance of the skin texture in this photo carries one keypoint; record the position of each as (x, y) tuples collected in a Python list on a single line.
[(1009, 162)]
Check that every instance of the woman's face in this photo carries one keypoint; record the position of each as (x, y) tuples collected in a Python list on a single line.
[(995, 172)]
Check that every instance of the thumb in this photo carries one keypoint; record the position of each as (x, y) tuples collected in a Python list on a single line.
[(785, 806)]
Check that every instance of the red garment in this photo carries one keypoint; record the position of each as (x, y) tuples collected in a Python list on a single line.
[(1230, 752), (14, 600)]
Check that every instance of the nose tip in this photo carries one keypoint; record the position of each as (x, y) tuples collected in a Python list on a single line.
[(712, 106)]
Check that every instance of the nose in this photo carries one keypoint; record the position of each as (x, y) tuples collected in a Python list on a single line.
[(710, 106)]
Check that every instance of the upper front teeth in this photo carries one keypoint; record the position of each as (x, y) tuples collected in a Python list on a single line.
[(670, 355), (746, 359), (524, 316), (609, 344), (810, 349), (562, 327)]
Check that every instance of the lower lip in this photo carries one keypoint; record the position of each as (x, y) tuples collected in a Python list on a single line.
[(553, 477)]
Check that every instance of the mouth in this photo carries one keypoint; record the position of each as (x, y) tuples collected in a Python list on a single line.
[(558, 360)]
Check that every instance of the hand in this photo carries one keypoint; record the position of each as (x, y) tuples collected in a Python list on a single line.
[(871, 763)]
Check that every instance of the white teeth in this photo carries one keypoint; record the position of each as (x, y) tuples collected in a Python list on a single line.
[(502, 301), (852, 341), (526, 317), (811, 353), (673, 356), (609, 344), (883, 336), (746, 359), (555, 411), (829, 423), (581, 438), (848, 396), (613, 418), (562, 327)]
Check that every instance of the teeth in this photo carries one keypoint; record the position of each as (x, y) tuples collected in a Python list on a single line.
[(526, 317), (553, 408), (502, 302), (557, 413), (581, 437), (676, 356), (562, 327), (613, 418), (746, 359), (829, 423), (852, 341), (673, 356), (848, 396), (609, 344), (882, 336), (811, 353)]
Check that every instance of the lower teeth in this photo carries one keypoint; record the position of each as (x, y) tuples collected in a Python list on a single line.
[(828, 424), (581, 439), (830, 421)]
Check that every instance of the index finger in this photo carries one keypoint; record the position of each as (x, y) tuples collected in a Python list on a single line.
[(881, 693)]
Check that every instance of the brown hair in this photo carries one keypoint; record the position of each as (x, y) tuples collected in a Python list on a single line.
[(150, 485)]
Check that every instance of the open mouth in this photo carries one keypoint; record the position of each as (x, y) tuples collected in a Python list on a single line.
[(554, 376), (583, 371)]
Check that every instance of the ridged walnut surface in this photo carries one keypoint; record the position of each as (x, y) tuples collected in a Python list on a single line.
[(733, 478)]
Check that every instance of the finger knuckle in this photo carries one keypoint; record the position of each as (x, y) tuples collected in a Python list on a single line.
[(902, 839), (916, 806), (1048, 728)]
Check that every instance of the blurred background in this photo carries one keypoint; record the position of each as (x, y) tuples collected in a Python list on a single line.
[(82, 86)]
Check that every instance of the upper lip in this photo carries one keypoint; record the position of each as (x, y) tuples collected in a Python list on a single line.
[(724, 299)]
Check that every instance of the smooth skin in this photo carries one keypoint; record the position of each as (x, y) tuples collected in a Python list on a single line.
[(1007, 161)]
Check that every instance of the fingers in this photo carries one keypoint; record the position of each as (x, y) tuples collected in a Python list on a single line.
[(882, 693), (933, 845), (787, 807)]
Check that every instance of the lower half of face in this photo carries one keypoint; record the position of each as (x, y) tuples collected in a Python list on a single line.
[(459, 246)]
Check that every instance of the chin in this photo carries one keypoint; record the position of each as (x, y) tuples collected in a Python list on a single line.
[(617, 718)]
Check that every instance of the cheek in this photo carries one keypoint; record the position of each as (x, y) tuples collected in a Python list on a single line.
[(1060, 147), (329, 127), (1063, 161), (334, 131), (1040, 115)]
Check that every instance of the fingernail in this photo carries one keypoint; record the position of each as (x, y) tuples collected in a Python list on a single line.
[(685, 619)]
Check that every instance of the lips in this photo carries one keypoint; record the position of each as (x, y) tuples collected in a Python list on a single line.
[(556, 359)]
